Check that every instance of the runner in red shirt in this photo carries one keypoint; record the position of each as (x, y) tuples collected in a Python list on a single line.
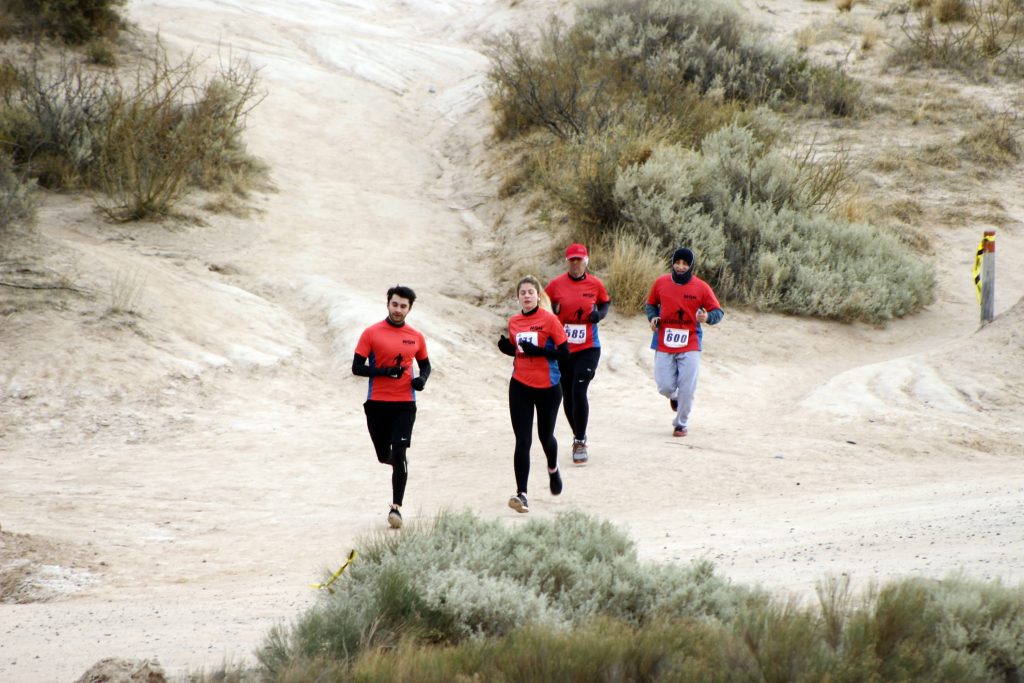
[(539, 346), (384, 354), (677, 305), (580, 301)]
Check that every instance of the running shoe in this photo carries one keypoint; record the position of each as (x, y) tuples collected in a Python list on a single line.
[(395, 518), (518, 503), (579, 452), (556, 482), (679, 431)]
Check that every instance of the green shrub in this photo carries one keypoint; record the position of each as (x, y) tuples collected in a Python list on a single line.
[(424, 606), (467, 577)]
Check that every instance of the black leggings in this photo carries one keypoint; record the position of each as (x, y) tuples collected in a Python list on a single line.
[(576, 376), (522, 401), (390, 426)]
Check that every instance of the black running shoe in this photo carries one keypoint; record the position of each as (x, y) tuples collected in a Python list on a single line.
[(556, 482), (518, 503)]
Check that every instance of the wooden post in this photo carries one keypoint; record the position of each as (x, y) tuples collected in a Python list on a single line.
[(988, 277)]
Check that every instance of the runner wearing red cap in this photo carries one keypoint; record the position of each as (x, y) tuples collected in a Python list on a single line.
[(580, 301), (537, 342)]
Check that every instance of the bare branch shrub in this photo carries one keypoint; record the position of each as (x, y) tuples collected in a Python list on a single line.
[(964, 34)]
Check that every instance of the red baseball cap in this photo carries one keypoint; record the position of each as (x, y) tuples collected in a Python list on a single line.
[(576, 251)]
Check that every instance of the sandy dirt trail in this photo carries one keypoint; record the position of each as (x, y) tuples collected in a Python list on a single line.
[(197, 466)]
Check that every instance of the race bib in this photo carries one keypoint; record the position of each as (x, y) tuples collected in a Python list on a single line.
[(675, 338), (577, 334), (531, 337)]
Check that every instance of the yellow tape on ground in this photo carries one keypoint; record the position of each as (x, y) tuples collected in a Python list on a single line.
[(322, 586), (977, 264)]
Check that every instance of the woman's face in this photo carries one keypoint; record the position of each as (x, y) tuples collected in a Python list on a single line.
[(528, 296)]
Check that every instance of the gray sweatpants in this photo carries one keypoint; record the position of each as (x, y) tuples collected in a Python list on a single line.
[(676, 377)]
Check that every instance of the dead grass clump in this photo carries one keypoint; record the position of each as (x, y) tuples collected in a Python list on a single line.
[(994, 141), (632, 265), (16, 204)]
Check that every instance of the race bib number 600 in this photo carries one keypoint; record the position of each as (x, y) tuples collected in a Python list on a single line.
[(577, 334), (674, 338)]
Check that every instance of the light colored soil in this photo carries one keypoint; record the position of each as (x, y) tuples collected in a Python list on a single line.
[(173, 479)]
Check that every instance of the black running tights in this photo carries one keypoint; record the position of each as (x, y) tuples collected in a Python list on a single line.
[(576, 376), (522, 401)]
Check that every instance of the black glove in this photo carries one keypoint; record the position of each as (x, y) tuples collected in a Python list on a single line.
[(418, 382), (395, 371), (531, 349), (595, 317), (506, 346)]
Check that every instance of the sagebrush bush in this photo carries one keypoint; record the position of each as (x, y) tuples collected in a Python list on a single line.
[(425, 606), (748, 212), (466, 577)]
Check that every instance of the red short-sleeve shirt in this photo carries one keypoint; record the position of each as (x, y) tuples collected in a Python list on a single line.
[(385, 345), (678, 306), (543, 329), (576, 299)]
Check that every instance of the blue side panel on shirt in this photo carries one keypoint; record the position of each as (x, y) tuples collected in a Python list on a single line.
[(554, 374), (373, 364), (597, 340)]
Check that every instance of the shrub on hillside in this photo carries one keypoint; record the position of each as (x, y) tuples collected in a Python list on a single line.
[(142, 139), (75, 22), (748, 212), (466, 577)]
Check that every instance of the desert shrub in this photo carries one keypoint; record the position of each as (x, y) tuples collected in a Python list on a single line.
[(73, 21), (748, 211), (51, 118), (142, 139), (411, 611), (466, 577), (16, 205)]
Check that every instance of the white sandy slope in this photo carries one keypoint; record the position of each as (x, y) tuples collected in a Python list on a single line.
[(192, 469)]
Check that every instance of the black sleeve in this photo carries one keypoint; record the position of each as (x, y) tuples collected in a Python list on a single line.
[(602, 310), (424, 366), (561, 354), (359, 367)]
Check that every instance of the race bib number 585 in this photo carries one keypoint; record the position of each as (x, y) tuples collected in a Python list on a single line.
[(577, 334), (675, 338)]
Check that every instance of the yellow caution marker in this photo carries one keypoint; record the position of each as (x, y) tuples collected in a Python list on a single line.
[(987, 243), (327, 586)]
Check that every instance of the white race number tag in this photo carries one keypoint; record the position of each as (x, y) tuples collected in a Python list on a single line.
[(577, 334), (675, 338), (531, 337)]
